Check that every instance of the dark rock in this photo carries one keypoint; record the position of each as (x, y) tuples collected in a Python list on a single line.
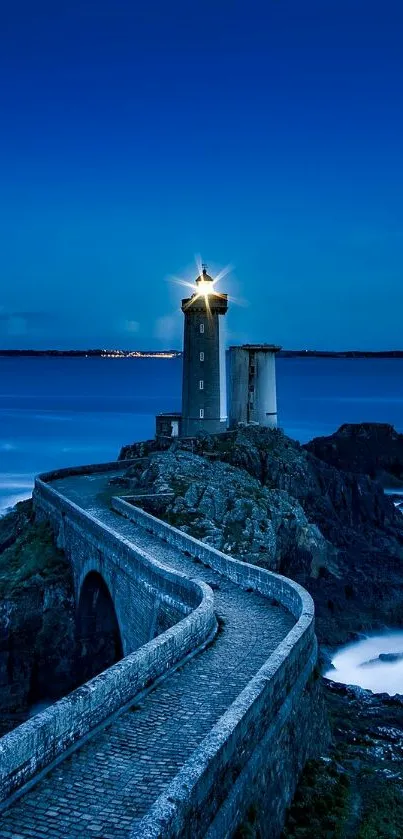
[(13, 524), (325, 660), (142, 449), (37, 626), (269, 501), (392, 657), (383, 658), (356, 790), (360, 584), (228, 508), (373, 449)]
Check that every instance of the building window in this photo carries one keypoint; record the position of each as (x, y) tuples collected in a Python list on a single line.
[(201, 413), (201, 384), (201, 328), (202, 356)]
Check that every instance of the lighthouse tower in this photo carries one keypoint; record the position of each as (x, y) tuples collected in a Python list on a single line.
[(204, 383)]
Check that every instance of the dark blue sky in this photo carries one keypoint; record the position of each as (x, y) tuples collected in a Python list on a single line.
[(263, 133)]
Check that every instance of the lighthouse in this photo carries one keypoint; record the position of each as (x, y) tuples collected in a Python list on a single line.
[(204, 399), (251, 372)]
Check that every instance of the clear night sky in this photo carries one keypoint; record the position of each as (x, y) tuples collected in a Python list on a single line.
[(263, 133)]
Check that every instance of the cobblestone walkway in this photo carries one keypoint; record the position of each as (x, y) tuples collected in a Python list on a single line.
[(105, 787)]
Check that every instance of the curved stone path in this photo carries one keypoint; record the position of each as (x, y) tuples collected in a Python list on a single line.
[(105, 787)]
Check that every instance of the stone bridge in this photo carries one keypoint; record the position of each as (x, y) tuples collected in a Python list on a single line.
[(208, 714)]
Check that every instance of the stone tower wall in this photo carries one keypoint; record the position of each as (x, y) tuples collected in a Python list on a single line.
[(209, 371)]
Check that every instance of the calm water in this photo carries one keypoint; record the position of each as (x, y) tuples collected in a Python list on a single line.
[(56, 412), (359, 664)]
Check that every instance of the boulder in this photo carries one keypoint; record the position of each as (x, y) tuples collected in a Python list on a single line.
[(374, 449), (260, 496)]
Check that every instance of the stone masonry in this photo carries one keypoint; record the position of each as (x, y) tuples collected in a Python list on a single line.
[(231, 727)]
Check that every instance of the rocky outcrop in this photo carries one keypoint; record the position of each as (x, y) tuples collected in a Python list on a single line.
[(356, 790), (142, 449), (37, 641), (373, 449), (227, 508), (259, 495)]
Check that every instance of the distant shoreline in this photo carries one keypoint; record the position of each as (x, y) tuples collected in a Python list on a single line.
[(92, 353), (341, 354), (178, 354)]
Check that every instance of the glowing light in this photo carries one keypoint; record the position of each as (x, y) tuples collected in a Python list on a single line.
[(204, 289)]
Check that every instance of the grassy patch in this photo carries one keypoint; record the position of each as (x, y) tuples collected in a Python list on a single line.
[(336, 805), (32, 555), (189, 519), (320, 805), (105, 497), (179, 485), (382, 816)]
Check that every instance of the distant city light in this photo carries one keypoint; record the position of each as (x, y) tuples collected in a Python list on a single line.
[(140, 354)]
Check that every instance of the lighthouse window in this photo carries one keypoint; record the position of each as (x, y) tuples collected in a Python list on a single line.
[(201, 413), (201, 328), (201, 384), (202, 356)]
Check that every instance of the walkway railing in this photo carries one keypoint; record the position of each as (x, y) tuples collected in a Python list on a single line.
[(190, 803), (43, 739)]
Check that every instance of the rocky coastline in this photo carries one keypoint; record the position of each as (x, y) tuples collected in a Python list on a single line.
[(37, 628), (263, 498), (356, 789)]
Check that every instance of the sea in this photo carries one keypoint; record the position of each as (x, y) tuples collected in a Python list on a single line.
[(374, 662), (68, 411)]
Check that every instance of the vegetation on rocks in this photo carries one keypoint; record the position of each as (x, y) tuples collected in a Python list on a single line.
[(356, 791), (37, 628), (320, 805), (33, 557), (264, 498), (260, 496), (226, 507)]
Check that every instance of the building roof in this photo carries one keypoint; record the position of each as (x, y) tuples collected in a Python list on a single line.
[(257, 347), (204, 277)]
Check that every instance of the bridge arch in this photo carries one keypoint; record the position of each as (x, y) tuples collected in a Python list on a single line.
[(98, 637)]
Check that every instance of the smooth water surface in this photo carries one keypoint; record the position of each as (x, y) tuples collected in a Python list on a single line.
[(63, 411), (359, 664), (317, 395)]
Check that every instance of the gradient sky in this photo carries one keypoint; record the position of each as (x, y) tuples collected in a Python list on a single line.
[(136, 134)]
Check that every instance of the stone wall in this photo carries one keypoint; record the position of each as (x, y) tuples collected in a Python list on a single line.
[(264, 789), (255, 752), (138, 585), (90, 545), (285, 591)]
